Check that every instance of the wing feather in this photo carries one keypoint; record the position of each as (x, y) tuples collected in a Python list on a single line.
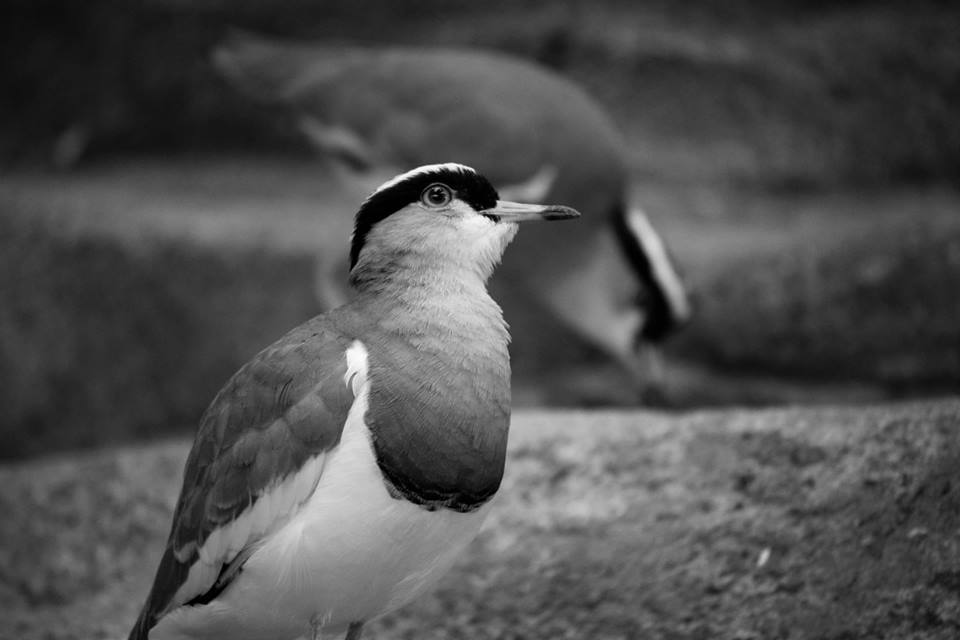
[(257, 456)]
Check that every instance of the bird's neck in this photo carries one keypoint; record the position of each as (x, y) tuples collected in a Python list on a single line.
[(434, 307), (440, 382)]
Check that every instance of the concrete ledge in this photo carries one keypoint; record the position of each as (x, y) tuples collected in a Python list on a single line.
[(792, 523), (107, 340), (129, 292)]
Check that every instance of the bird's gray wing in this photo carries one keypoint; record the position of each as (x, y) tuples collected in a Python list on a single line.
[(257, 456)]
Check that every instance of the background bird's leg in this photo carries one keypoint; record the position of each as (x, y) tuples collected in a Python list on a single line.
[(315, 626), (354, 631), (650, 373)]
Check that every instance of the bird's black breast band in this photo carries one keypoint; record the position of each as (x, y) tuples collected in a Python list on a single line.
[(431, 497)]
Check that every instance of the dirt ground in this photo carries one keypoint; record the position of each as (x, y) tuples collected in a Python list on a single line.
[(795, 523)]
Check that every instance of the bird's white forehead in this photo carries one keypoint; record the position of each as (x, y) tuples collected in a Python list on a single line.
[(427, 168)]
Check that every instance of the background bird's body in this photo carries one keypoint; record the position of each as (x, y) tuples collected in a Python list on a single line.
[(340, 472), (537, 136), (383, 108)]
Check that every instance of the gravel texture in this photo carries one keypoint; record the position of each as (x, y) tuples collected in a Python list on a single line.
[(794, 523)]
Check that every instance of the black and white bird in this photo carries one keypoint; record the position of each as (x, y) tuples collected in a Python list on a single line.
[(340, 473), (535, 134)]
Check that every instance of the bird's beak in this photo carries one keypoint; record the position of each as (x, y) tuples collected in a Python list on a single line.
[(507, 211)]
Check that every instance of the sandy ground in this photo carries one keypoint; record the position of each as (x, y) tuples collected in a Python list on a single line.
[(838, 523)]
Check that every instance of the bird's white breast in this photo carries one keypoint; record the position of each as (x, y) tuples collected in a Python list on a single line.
[(352, 552)]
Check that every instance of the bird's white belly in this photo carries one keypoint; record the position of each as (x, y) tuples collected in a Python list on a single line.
[(351, 553)]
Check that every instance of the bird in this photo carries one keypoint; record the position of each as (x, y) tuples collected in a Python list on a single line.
[(341, 472), (535, 134)]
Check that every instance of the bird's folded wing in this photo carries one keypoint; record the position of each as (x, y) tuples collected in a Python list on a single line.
[(258, 455)]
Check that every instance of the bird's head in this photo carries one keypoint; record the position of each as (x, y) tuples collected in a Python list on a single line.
[(443, 215)]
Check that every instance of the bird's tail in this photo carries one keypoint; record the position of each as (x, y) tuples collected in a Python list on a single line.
[(141, 630), (663, 298)]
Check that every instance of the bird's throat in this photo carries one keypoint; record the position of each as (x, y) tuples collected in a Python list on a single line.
[(440, 388), (441, 309)]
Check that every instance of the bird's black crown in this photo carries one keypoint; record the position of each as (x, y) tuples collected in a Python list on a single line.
[(466, 183)]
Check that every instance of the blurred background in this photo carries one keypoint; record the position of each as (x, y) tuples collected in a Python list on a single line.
[(158, 227)]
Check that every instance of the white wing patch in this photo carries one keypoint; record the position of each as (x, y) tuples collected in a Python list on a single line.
[(356, 375), (660, 264), (273, 508)]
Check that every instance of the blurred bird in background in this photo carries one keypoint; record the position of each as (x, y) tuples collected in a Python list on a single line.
[(376, 111)]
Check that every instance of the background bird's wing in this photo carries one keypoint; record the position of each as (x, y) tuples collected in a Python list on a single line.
[(257, 456), (376, 106)]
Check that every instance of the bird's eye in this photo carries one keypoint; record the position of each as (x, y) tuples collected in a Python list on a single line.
[(436, 195)]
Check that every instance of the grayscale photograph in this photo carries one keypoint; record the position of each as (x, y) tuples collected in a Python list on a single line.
[(373, 320)]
